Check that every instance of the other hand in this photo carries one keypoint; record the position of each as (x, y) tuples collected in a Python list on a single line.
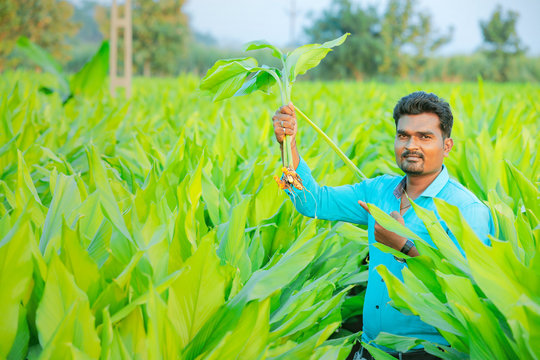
[(387, 237)]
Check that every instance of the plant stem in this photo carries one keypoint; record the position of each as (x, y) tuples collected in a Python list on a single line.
[(286, 99), (340, 153)]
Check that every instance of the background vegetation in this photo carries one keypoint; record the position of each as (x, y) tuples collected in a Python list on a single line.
[(399, 42)]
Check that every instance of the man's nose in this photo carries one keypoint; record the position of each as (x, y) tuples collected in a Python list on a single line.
[(411, 143)]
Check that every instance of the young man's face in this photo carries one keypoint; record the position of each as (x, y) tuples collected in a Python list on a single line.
[(419, 145)]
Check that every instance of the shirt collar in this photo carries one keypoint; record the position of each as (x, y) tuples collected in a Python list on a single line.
[(432, 190)]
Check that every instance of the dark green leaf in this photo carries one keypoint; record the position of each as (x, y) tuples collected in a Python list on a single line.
[(261, 80), (91, 77)]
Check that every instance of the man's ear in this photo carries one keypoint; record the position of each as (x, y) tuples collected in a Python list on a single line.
[(448, 144)]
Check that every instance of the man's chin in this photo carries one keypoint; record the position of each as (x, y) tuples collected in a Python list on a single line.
[(412, 170)]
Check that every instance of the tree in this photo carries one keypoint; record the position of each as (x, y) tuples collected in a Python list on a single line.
[(408, 37), (501, 40), (393, 44), (362, 54), (160, 32), (45, 22)]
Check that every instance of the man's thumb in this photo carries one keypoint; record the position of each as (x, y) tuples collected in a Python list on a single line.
[(397, 216)]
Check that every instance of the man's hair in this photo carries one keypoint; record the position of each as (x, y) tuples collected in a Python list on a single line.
[(420, 102)]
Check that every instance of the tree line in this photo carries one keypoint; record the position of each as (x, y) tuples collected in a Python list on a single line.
[(399, 42)]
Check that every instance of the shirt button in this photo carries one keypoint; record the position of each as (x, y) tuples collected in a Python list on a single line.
[(376, 306)]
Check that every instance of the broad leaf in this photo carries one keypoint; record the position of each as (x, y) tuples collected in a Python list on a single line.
[(90, 79), (261, 80), (64, 316), (397, 342), (197, 293), (307, 57), (226, 77), (65, 200), (15, 277)]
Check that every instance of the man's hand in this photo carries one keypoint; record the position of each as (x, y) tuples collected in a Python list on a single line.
[(386, 237), (285, 123)]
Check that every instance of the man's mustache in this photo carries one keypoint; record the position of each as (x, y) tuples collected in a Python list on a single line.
[(414, 153)]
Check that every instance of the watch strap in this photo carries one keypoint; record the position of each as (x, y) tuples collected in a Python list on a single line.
[(407, 247)]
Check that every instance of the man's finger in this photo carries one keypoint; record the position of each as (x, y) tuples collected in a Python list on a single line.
[(287, 109), (398, 217), (291, 107), (364, 205)]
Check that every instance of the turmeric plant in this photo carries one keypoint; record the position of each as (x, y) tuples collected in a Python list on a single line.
[(243, 76)]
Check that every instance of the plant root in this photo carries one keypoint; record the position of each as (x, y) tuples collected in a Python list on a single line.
[(290, 180)]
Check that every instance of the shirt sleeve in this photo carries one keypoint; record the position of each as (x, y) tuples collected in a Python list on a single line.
[(330, 203)]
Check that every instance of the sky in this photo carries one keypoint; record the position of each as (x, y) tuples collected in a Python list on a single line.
[(234, 22)]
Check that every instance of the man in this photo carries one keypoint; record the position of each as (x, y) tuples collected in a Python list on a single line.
[(423, 127)]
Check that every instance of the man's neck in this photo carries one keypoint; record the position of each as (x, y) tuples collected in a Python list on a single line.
[(416, 184)]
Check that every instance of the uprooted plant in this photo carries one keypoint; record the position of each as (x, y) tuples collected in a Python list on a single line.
[(243, 76)]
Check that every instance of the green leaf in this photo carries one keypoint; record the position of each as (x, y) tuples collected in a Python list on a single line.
[(495, 268), (262, 44), (397, 342), (440, 238), (79, 262), (226, 77), (20, 345), (309, 56), (210, 194), (475, 316), (233, 246), (261, 80), (90, 79), (377, 353), (59, 295), (412, 295), (63, 316), (15, 278), (65, 200), (43, 59), (261, 285), (529, 192), (308, 316), (106, 336), (264, 282), (391, 224), (130, 339), (26, 194), (109, 206), (162, 339), (192, 300), (305, 349), (249, 337)]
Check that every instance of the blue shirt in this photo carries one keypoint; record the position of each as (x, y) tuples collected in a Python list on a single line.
[(341, 203)]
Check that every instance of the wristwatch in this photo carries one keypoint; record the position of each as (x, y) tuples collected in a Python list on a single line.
[(407, 247)]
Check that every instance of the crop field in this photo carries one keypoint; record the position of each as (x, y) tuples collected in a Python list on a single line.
[(153, 228)]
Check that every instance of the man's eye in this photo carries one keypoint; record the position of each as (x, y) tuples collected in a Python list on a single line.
[(426, 137)]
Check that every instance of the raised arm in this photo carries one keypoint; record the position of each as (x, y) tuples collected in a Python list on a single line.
[(322, 202)]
